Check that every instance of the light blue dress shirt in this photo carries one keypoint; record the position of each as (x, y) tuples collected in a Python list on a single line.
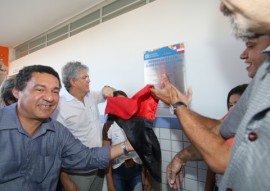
[(34, 163)]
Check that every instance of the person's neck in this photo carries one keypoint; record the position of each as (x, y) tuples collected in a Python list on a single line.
[(31, 126), (77, 94)]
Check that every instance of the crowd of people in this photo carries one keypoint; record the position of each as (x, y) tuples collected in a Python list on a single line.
[(245, 165), (54, 142)]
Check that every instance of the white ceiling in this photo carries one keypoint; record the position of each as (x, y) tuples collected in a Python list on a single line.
[(21, 20)]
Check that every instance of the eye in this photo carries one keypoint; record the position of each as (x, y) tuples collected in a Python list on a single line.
[(250, 45), (39, 89), (56, 92), (85, 77)]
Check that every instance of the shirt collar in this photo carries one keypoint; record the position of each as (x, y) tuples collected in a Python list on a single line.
[(66, 95), (267, 50), (12, 121)]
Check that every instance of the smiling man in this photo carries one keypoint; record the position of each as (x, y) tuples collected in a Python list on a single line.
[(252, 55), (247, 167), (78, 111), (34, 147)]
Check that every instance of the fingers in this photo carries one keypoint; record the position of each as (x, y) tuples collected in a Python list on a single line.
[(165, 78), (177, 183), (189, 96), (128, 145), (175, 174), (170, 176)]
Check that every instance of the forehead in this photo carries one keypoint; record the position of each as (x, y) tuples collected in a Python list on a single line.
[(44, 79), (235, 96), (83, 72)]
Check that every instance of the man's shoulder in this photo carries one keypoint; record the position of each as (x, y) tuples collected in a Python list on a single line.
[(66, 97), (8, 117)]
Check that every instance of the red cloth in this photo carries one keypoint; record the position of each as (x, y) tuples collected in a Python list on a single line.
[(230, 141), (142, 104)]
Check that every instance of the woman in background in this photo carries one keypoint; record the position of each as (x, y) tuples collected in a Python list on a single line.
[(212, 179)]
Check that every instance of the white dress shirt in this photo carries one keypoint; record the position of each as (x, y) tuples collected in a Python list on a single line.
[(82, 119)]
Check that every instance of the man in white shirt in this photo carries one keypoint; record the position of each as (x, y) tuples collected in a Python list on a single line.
[(78, 111)]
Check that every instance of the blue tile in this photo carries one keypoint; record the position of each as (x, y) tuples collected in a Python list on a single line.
[(164, 122), (155, 122), (175, 124)]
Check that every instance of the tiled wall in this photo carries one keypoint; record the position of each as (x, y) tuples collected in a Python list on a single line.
[(172, 140)]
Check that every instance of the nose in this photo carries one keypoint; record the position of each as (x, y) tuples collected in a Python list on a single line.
[(221, 7), (244, 54), (48, 96)]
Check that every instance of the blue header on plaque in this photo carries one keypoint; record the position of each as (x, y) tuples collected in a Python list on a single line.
[(165, 51)]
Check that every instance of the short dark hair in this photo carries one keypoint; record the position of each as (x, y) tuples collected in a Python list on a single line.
[(236, 90), (119, 92), (6, 91), (116, 93), (25, 75)]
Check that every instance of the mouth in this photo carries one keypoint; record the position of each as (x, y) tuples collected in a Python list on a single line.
[(45, 107), (248, 65)]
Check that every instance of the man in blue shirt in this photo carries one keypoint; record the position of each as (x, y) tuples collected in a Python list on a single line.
[(34, 147)]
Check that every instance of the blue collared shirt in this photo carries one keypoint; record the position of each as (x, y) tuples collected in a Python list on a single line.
[(34, 163)]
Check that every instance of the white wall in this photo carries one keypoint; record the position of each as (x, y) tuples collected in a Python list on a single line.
[(114, 50)]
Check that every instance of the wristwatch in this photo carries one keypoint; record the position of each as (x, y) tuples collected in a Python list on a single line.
[(124, 148), (175, 105)]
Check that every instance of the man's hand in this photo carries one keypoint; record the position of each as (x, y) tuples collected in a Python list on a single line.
[(107, 91), (129, 146), (175, 173), (169, 94)]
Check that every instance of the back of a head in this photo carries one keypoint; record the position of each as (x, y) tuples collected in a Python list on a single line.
[(6, 91), (25, 75)]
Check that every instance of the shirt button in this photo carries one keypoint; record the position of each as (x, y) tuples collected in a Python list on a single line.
[(252, 136)]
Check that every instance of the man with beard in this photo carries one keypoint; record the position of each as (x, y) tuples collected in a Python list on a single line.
[(247, 168)]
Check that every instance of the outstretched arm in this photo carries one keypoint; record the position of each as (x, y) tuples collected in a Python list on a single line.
[(202, 132)]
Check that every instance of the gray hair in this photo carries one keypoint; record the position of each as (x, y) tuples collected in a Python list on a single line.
[(71, 71)]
